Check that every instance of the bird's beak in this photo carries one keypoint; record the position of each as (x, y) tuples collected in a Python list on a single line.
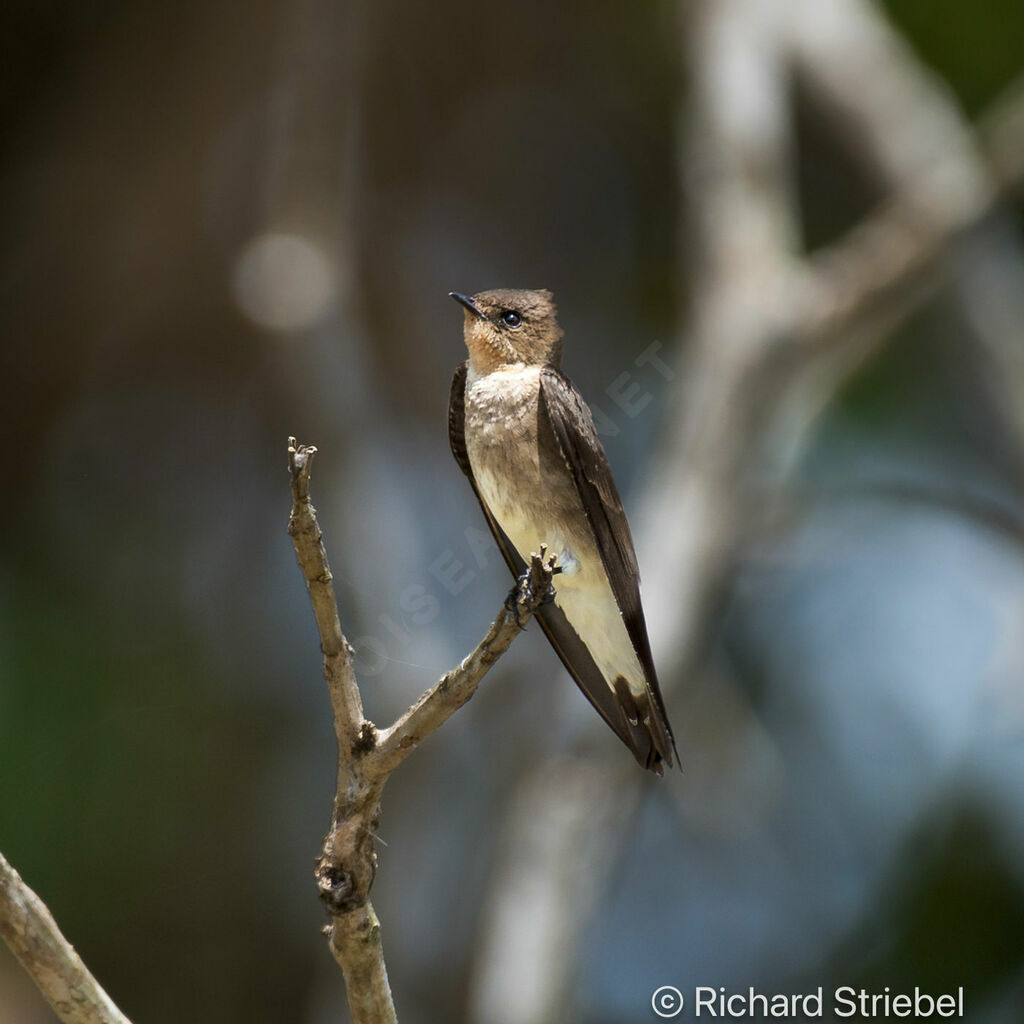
[(466, 301)]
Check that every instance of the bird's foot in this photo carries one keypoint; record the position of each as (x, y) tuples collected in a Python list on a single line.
[(534, 588)]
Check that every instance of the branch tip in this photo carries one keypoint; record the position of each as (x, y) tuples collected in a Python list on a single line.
[(534, 588), (300, 464), (367, 757)]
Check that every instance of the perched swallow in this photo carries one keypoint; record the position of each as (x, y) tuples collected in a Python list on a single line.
[(525, 438)]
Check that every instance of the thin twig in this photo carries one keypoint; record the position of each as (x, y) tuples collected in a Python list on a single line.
[(366, 758), (339, 660), (458, 685), (29, 929)]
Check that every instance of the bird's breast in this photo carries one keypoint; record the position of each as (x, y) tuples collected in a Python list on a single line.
[(526, 486), (502, 442)]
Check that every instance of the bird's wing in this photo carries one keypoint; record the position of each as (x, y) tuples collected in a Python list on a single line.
[(565, 414), (563, 638)]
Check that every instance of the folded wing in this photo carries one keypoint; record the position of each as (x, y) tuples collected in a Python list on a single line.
[(641, 725)]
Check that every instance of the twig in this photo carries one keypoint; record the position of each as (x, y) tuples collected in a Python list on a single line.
[(29, 929), (458, 685), (366, 757)]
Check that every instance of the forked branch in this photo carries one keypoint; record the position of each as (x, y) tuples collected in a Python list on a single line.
[(367, 757)]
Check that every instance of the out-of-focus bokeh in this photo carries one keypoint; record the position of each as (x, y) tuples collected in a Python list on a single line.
[(225, 225)]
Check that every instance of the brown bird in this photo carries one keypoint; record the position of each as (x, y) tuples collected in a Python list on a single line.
[(525, 438)]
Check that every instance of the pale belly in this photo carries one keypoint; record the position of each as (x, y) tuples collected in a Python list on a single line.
[(535, 505)]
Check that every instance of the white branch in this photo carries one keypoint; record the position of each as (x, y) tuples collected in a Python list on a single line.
[(29, 929)]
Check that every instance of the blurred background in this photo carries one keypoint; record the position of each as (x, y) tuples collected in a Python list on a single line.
[(796, 305)]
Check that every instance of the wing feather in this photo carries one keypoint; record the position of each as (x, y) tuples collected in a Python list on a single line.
[(569, 420), (639, 729)]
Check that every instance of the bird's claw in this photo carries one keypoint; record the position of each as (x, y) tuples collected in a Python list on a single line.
[(517, 595)]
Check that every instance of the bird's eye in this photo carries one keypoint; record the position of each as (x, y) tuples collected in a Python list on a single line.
[(511, 318)]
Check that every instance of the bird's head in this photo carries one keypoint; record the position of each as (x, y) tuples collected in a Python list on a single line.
[(505, 326)]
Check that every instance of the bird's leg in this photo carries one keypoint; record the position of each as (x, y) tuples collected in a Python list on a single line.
[(533, 589), (512, 601)]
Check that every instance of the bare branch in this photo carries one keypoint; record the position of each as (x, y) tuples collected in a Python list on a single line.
[(457, 686), (307, 538), (356, 946), (29, 929), (348, 863)]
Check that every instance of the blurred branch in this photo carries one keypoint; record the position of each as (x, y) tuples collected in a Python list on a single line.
[(1001, 132), (945, 180), (741, 223), (366, 757), (766, 322), (944, 224), (29, 929), (741, 220), (554, 844)]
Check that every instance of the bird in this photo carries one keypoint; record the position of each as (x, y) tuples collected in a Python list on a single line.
[(525, 438)]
